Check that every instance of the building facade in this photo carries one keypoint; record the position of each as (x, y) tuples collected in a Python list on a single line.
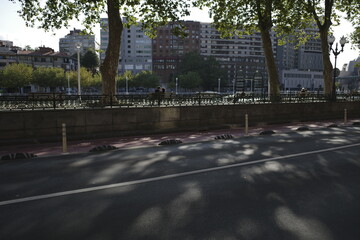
[(69, 43), (42, 57), (301, 66), (168, 49), (135, 52), (241, 56)]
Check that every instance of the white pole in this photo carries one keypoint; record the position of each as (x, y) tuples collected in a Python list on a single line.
[(219, 85), (234, 86), (68, 79), (78, 46), (126, 85), (176, 85), (79, 90)]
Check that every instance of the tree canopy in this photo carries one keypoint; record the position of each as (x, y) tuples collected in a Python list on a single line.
[(55, 14), (245, 17), (90, 61), (16, 75), (208, 70), (49, 77)]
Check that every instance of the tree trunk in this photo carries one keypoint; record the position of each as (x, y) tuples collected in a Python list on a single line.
[(327, 71), (273, 75), (109, 67)]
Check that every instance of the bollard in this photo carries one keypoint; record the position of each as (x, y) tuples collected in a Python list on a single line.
[(246, 124), (345, 115), (64, 140)]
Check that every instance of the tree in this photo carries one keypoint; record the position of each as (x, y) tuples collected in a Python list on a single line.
[(90, 61), (121, 80), (208, 69), (192, 61), (245, 17), (190, 80), (325, 13), (146, 79), (86, 78), (352, 9), (211, 73), (28, 48), (54, 14), (49, 77), (16, 75)]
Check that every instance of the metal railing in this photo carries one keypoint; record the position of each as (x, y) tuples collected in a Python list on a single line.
[(46, 101)]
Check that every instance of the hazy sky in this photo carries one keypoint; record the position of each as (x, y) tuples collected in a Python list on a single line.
[(13, 28)]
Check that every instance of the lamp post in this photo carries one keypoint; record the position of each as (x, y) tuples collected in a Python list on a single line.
[(235, 78), (126, 85), (234, 86), (68, 83), (219, 85), (336, 52), (176, 85), (78, 46)]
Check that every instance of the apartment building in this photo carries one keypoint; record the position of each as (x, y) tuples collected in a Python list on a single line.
[(168, 49), (69, 43), (42, 57), (135, 52), (301, 67), (241, 56)]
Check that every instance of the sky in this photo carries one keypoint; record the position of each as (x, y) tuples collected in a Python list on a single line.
[(13, 28)]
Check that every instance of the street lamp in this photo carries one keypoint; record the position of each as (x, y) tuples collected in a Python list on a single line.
[(234, 86), (68, 83), (176, 85), (126, 85), (78, 46), (219, 85), (336, 52)]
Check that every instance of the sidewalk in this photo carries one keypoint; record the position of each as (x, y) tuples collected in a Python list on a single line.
[(49, 149)]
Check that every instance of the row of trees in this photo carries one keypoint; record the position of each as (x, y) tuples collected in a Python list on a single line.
[(285, 17), (145, 79), (15, 76)]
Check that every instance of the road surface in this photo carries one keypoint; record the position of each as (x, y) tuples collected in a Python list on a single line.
[(300, 185)]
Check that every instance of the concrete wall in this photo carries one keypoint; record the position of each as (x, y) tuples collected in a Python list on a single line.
[(18, 126)]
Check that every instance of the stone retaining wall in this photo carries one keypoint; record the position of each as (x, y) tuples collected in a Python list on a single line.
[(84, 123)]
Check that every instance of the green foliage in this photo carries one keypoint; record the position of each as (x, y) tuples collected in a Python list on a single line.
[(49, 77), (28, 48), (90, 61), (244, 17), (16, 75), (146, 79), (208, 70), (86, 78), (121, 79), (190, 80), (355, 37), (55, 14)]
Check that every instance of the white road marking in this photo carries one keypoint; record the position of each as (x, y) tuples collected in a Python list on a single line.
[(176, 175)]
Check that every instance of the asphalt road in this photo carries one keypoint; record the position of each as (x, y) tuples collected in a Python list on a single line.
[(303, 185)]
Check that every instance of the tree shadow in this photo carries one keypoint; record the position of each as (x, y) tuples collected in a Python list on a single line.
[(310, 196)]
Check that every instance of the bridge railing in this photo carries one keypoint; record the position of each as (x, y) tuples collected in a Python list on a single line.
[(45, 101)]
